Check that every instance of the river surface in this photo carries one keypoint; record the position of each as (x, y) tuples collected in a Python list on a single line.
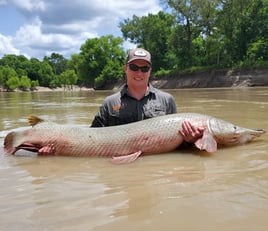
[(183, 190)]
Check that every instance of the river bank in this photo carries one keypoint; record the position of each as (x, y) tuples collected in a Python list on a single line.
[(47, 89), (74, 88), (250, 77)]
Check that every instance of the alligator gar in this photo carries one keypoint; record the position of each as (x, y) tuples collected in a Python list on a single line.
[(125, 143)]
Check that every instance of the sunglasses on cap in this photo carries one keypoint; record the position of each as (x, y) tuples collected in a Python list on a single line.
[(134, 67)]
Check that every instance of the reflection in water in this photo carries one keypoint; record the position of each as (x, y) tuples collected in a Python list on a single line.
[(183, 190), (59, 185)]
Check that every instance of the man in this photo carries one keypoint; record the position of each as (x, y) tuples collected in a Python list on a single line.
[(139, 100)]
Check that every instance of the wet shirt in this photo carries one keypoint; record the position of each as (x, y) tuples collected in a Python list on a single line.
[(121, 108)]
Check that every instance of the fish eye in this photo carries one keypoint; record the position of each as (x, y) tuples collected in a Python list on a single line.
[(235, 127)]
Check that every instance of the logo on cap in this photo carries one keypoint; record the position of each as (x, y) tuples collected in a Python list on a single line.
[(140, 53)]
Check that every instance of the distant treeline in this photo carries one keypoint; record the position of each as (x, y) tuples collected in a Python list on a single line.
[(186, 37)]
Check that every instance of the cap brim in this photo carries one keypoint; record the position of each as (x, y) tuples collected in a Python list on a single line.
[(139, 58)]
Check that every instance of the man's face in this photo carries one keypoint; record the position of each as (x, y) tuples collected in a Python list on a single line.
[(138, 72)]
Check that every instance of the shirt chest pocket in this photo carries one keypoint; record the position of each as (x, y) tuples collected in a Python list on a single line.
[(153, 110), (122, 117)]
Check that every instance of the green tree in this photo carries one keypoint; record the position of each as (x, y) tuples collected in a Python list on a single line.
[(13, 61), (34, 84), (151, 32), (57, 62), (257, 52), (16, 62), (7, 73), (185, 13), (194, 28), (75, 63), (111, 71), (2, 77), (45, 74), (12, 83), (24, 83), (68, 78), (256, 32), (96, 54), (242, 23), (32, 67)]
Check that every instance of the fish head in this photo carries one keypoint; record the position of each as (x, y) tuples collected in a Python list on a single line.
[(229, 134), (18, 140), (9, 143)]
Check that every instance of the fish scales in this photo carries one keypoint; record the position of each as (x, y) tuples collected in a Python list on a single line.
[(118, 140), (151, 136)]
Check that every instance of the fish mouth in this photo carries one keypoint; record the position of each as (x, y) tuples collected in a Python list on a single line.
[(10, 145), (235, 139), (29, 147), (246, 136), (258, 132)]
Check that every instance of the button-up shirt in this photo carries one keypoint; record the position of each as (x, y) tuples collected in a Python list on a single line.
[(121, 108)]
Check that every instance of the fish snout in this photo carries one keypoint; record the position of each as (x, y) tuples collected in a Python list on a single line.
[(239, 136), (249, 134), (258, 132), (8, 143)]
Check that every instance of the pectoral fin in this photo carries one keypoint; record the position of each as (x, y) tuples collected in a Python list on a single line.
[(207, 142), (126, 159)]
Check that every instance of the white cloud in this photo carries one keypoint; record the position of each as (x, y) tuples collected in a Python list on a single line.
[(29, 5), (6, 46), (62, 26), (31, 38)]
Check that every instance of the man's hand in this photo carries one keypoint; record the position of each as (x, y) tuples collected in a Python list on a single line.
[(191, 133), (47, 150)]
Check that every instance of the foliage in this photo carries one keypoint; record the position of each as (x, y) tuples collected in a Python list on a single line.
[(110, 72), (24, 83), (258, 51), (162, 72), (57, 62), (99, 56), (188, 35), (68, 78), (12, 83), (45, 74), (7, 73), (241, 23), (151, 32), (34, 84)]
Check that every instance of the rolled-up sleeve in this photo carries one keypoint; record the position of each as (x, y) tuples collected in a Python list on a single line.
[(171, 108)]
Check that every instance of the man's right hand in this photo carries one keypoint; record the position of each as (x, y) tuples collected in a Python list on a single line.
[(191, 133)]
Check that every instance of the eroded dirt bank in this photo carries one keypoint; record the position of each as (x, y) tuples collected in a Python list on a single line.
[(209, 79)]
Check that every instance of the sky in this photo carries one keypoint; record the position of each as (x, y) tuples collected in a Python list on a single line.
[(37, 28)]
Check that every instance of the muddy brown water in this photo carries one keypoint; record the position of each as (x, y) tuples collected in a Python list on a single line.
[(182, 190)]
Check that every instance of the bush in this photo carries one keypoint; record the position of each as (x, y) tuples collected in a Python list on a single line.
[(25, 83), (12, 83)]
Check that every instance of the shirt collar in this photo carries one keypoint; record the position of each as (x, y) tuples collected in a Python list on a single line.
[(151, 90)]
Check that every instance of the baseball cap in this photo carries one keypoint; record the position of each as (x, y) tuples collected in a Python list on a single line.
[(139, 53)]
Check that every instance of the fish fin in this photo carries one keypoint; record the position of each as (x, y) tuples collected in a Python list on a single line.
[(126, 159), (207, 142), (33, 120)]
